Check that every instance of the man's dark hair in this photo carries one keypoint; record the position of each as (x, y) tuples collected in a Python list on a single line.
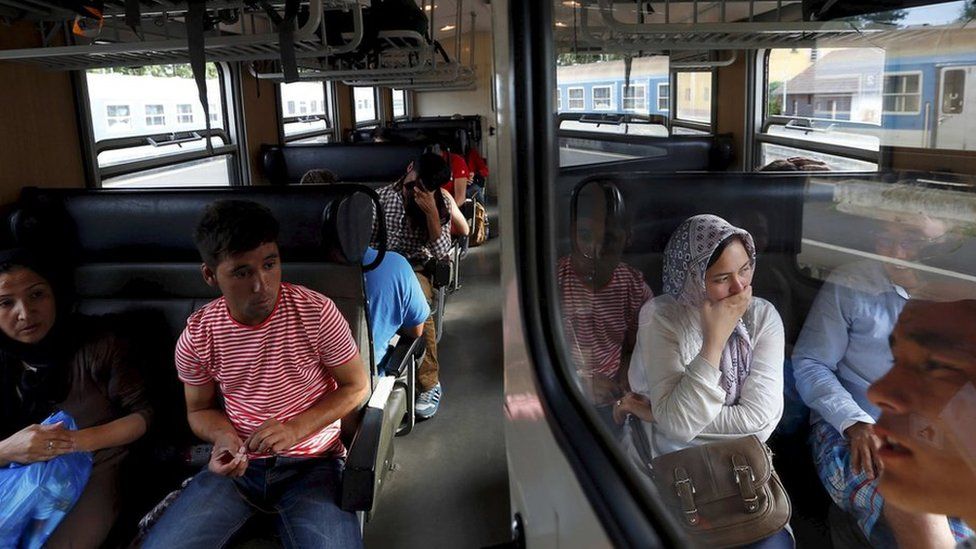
[(231, 227), (432, 170)]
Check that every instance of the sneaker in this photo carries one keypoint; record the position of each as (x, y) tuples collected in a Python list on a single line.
[(428, 402)]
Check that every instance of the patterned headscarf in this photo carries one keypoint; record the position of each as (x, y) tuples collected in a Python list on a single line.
[(685, 262)]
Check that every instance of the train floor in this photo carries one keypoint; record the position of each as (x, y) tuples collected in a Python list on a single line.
[(449, 487)]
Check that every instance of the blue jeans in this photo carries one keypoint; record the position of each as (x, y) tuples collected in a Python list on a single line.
[(779, 540), (301, 493)]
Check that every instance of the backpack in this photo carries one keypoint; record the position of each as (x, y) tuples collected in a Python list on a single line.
[(479, 232)]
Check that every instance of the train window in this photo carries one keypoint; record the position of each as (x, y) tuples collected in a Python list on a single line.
[(602, 98), (148, 128), (635, 98), (576, 99), (902, 93), (155, 115), (953, 91), (693, 102), (306, 112), (365, 111), (399, 103), (827, 104)]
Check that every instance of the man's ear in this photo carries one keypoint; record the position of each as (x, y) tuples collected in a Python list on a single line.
[(209, 276)]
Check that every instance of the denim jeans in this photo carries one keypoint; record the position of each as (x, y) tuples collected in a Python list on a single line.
[(300, 493)]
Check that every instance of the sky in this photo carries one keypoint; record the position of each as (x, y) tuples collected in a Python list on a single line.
[(939, 14)]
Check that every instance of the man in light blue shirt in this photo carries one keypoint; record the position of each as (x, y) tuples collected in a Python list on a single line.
[(842, 349), (396, 301)]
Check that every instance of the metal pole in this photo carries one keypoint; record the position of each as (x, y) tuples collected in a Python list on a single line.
[(457, 31), (474, 16)]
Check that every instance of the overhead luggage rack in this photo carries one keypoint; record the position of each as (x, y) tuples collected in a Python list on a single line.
[(679, 25), (243, 31)]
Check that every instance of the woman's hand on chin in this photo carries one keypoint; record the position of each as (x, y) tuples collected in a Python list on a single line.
[(719, 319), (37, 443)]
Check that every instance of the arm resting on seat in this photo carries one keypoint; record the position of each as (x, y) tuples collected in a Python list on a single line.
[(396, 361)]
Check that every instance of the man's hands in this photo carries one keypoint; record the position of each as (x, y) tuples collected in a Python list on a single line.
[(425, 201), (719, 319), (229, 456), (37, 443), (272, 437), (864, 450)]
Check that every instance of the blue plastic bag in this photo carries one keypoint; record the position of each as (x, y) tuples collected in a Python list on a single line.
[(34, 498)]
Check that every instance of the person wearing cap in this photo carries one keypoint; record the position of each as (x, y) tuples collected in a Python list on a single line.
[(419, 215)]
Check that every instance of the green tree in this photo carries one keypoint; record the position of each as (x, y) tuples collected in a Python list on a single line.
[(968, 12), (168, 71)]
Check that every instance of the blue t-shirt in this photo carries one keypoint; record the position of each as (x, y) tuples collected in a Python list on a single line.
[(396, 299)]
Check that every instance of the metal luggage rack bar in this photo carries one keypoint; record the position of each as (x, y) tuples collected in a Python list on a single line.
[(445, 75), (253, 38)]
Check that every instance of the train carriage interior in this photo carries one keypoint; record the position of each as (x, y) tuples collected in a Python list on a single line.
[(667, 271)]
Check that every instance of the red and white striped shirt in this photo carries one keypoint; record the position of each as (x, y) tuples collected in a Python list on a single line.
[(277, 369), (597, 321)]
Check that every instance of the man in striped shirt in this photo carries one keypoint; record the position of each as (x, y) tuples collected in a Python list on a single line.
[(601, 300), (284, 361)]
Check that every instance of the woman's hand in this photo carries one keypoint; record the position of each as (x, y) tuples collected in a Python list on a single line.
[(37, 443), (632, 403), (719, 319)]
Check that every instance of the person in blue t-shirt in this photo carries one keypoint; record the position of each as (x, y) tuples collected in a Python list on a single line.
[(397, 304)]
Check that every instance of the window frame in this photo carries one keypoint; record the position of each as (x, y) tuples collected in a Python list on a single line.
[(407, 104), (231, 136), (376, 108), (696, 125), (765, 121), (609, 100), (623, 97), (329, 131), (117, 119), (918, 94), (667, 96), (151, 117), (569, 98), (180, 114)]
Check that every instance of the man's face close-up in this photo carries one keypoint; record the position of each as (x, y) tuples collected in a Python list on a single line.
[(928, 404)]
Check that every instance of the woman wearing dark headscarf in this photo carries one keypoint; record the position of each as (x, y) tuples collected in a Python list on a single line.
[(709, 356), (52, 360)]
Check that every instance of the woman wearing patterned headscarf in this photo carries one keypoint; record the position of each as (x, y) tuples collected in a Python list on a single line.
[(709, 355)]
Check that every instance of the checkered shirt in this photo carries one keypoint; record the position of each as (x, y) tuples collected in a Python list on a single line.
[(403, 236)]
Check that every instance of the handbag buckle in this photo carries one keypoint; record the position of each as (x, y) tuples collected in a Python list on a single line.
[(685, 490), (742, 471)]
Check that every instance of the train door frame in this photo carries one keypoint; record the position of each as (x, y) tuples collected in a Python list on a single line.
[(955, 135)]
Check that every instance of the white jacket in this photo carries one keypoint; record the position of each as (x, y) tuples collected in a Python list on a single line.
[(686, 399)]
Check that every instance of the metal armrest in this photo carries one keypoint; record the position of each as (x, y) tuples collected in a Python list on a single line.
[(396, 362), (371, 451)]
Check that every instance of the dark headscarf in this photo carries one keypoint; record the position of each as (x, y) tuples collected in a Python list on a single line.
[(30, 394)]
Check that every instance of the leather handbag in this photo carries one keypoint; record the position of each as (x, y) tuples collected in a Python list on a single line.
[(725, 493)]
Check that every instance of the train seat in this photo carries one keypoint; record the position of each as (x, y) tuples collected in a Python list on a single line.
[(674, 153), (132, 256), (372, 163)]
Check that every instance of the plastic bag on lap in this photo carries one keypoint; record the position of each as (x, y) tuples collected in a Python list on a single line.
[(34, 498)]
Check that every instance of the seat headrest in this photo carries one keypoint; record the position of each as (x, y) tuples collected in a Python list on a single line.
[(328, 223)]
